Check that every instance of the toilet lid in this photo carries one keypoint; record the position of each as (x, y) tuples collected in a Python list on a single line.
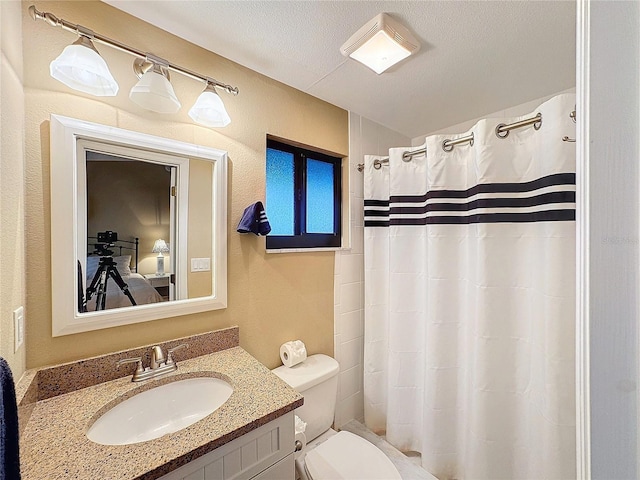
[(349, 457)]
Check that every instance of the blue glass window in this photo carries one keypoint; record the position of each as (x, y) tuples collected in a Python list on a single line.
[(280, 200), (303, 201), (320, 195)]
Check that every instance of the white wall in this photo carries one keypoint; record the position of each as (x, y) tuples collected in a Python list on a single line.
[(12, 258), (612, 178), (365, 138)]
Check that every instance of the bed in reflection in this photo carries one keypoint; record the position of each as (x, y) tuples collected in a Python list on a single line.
[(121, 275)]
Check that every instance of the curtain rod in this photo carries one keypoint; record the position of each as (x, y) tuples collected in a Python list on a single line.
[(502, 131), (79, 30), (406, 157)]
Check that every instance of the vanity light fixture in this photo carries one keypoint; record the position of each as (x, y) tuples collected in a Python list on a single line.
[(381, 43), (82, 68), (160, 247), (209, 109), (154, 90)]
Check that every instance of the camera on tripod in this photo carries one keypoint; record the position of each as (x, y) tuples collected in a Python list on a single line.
[(105, 240), (106, 269)]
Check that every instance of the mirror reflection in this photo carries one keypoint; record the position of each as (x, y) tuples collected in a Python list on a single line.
[(137, 222), (129, 211)]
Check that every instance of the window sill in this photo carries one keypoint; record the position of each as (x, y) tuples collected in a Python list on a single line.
[(306, 250)]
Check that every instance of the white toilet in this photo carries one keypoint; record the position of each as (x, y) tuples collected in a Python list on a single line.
[(330, 455)]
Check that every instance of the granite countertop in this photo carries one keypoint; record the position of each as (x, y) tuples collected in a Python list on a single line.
[(54, 445)]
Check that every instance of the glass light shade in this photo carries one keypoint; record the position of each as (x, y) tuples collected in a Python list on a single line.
[(380, 52), (81, 67), (160, 246), (154, 92), (209, 109)]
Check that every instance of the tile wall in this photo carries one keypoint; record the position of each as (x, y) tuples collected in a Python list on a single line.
[(365, 138)]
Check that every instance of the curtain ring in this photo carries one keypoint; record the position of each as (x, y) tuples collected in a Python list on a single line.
[(500, 133), (537, 125), (446, 146)]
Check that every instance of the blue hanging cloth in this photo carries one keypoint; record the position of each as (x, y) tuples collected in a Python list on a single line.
[(254, 220), (9, 445)]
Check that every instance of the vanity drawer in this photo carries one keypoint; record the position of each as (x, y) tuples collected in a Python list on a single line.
[(257, 454)]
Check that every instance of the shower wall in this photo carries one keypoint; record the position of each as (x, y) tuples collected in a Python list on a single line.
[(365, 138)]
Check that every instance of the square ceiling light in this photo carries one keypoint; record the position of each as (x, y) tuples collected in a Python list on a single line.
[(381, 43)]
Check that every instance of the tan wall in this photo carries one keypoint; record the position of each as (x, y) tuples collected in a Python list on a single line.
[(12, 260), (273, 298)]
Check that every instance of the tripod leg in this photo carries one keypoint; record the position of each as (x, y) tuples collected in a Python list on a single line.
[(91, 289), (113, 272), (101, 298), (82, 301)]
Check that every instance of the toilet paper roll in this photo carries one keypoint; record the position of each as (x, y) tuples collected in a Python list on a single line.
[(292, 353), (300, 426)]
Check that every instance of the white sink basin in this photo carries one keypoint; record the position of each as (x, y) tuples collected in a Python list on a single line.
[(160, 410)]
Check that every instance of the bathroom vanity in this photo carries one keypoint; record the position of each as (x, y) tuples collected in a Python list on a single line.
[(251, 435)]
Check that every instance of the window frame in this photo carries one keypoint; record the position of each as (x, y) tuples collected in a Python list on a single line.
[(302, 239)]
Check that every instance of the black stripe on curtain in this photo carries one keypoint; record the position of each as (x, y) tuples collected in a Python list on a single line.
[(545, 216), (376, 223), (376, 203), (548, 181), (549, 198), (544, 199), (376, 213)]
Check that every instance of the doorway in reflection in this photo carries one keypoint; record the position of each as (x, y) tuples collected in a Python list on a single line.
[(133, 200)]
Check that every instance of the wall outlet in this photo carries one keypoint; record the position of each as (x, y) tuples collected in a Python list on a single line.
[(18, 327), (200, 264)]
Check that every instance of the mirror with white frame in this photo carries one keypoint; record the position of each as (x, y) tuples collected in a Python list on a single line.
[(138, 227)]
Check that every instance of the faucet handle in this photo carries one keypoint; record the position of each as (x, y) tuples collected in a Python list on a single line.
[(171, 350), (124, 361)]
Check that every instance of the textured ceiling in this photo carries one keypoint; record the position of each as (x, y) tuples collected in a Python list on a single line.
[(477, 57)]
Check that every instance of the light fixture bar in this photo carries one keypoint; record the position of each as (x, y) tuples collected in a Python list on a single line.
[(54, 21)]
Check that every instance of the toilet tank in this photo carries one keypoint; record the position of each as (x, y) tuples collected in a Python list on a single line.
[(317, 380)]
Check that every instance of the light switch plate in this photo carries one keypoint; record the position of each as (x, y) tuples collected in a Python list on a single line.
[(18, 327), (200, 264)]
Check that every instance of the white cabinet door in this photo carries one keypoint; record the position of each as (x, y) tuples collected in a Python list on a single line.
[(246, 457)]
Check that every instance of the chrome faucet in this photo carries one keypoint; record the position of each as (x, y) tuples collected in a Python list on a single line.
[(159, 363)]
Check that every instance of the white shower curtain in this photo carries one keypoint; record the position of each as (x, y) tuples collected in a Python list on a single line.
[(470, 300)]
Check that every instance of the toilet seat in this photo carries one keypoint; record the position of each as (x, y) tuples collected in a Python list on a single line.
[(349, 457)]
